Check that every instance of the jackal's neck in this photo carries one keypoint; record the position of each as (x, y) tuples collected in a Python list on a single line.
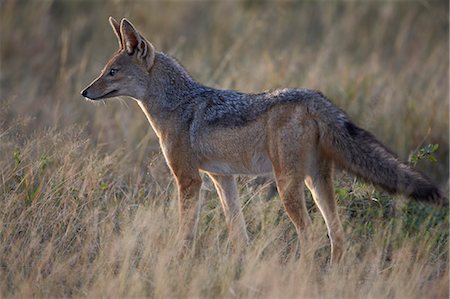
[(170, 82), (170, 89)]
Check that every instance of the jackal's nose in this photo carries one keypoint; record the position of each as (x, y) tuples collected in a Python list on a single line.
[(84, 93)]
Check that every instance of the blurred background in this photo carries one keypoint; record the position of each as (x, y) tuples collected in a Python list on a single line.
[(385, 63), (87, 203)]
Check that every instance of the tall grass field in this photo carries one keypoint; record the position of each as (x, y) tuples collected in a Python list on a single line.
[(88, 206)]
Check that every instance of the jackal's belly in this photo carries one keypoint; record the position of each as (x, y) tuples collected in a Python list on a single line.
[(259, 163), (234, 150)]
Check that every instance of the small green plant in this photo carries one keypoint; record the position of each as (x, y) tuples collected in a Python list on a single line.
[(16, 157), (103, 186), (44, 161), (426, 152)]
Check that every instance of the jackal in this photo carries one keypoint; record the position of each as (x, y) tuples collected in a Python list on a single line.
[(296, 134)]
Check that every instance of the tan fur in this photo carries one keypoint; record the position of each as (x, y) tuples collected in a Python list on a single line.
[(297, 135)]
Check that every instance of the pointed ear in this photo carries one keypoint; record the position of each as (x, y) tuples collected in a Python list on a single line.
[(146, 52), (134, 42), (129, 35), (116, 28)]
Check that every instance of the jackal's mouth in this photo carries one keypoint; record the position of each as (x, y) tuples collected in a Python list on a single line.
[(106, 95)]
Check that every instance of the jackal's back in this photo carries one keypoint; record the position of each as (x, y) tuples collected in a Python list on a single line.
[(227, 108)]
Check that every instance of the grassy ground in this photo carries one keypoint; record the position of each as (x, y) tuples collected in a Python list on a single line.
[(87, 205)]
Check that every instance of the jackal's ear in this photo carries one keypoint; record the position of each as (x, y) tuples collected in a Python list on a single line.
[(134, 42), (116, 27), (130, 37)]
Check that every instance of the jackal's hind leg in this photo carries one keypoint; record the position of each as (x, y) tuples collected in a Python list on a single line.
[(229, 198), (291, 190), (319, 182), (289, 149)]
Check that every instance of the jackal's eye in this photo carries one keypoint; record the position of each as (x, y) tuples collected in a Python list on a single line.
[(112, 72)]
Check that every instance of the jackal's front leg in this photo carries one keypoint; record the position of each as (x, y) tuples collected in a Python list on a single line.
[(229, 198), (189, 207)]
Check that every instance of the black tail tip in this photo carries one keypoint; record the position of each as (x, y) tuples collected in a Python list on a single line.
[(430, 194)]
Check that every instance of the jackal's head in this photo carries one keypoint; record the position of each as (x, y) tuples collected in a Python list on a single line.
[(127, 72)]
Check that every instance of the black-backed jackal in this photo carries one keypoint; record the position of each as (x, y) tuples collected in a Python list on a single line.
[(296, 134)]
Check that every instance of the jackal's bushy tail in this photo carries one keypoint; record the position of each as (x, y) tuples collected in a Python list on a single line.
[(360, 153)]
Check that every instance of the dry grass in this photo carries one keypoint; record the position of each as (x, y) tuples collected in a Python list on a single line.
[(87, 204)]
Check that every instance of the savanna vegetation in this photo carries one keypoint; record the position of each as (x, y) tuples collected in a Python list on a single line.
[(88, 207)]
